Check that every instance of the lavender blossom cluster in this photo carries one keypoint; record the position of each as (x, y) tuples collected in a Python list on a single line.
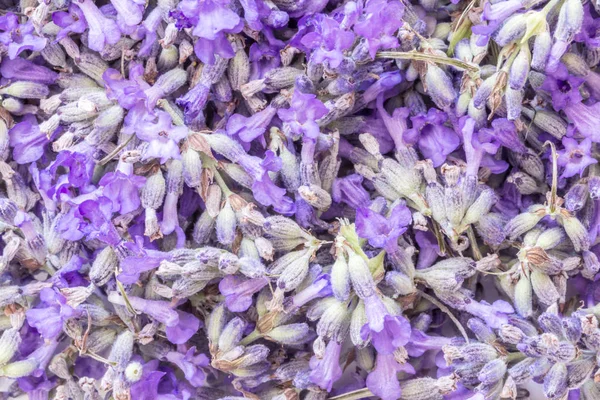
[(299, 199)]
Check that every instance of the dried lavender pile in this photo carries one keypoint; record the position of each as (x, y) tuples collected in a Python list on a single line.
[(299, 199)]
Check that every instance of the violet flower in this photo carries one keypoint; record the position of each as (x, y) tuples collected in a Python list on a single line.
[(301, 118), (249, 128), (212, 21), (436, 141), (350, 190), (575, 157), (387, 332), (190, 364), (562, 87), (328, 41), (49, 320), (79, 165), (19, 37), (478, 145), (28, 141), (238, 292), (128, 92), (326, 370), (186, 327), (383, 232), (382, 381), (71, 21), (379, 22), (102, 30), (158, 130), (20, 69)]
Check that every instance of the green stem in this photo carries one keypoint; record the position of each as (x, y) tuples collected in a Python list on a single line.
[(517, 356), (116, 151), (221, 183), (553, 190), (474, 246), (354, 395), (254, 335), (413, 55), (446, 310)]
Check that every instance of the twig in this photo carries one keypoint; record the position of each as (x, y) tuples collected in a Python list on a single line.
[(354, 395), (414, 55), (447, 311)]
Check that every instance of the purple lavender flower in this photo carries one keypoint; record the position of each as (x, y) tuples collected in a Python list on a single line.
[(49, 320), (91, 218), (328, 41), (395, 123), (186, 327), (436, 141), (387, 332), (130, 12), (249, 128), (350, 190), (28, 141), (71, 21), (378, 24), (19, 37), (102, 30), (148, 385), (21, 69), (501, 10), (254, 12), (263, 58), (300, 119), (123, 190), (238, 292), (326, 370), (190, 364), (80, 167), (266, 192), (128, 92), (383, 380), (563, 87), (383, 232), (158, 130), (212, 21), (478, 146), (321, 287), (575, 157)]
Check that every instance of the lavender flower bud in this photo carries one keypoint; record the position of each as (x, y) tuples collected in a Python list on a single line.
[(9, 344), (121, 350), (26, 90), (544, 288), (576, 197), (360, 275), (524, 222), (294, 272), (104, 266), (315, 196), (492, 372), (285, 228), (555, 382), (92, 65), (289, 334), (439, 86), (226, 224), (153, 192), (520, 69), (514, 103), (513, 29), (591, 265), (570, 19), (548, 121), (523, 297)]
